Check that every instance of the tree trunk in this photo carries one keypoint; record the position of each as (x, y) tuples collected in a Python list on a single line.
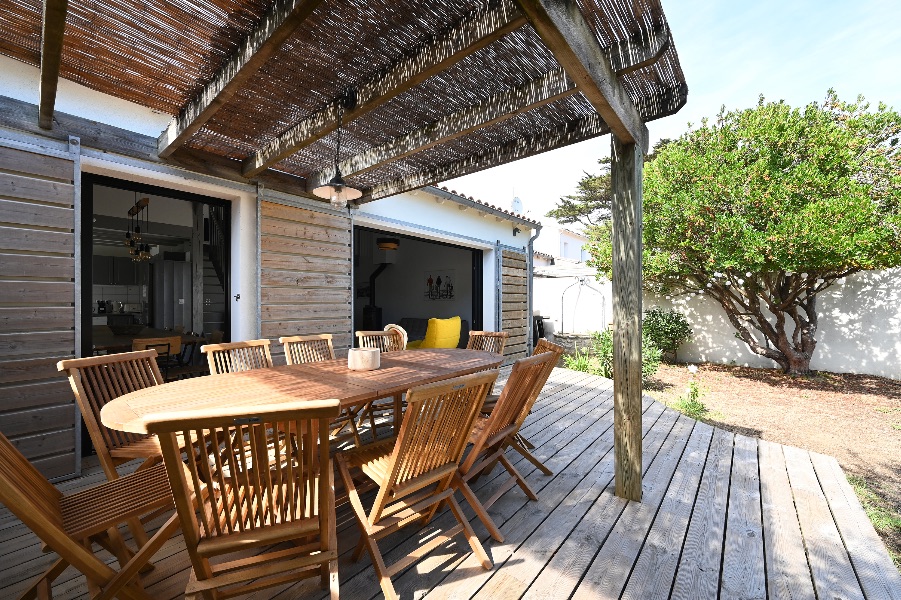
[(791, 352)]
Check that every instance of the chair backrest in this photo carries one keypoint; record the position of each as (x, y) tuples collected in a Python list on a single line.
[(263, 469), (488, 341), (96, 380), (437, 424), (232, 357), (398, 330), (301, 349), (543, 346), (29, 496), (526, 374), (386, 341), (164, 346)]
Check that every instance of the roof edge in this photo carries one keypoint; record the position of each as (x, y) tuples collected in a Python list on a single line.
[(471, 202)]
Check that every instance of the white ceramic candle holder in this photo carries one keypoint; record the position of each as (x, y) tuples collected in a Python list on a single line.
[(363, 359)]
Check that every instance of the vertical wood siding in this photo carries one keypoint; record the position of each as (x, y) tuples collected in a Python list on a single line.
[(305, 277), (37, 307), (514, 303)]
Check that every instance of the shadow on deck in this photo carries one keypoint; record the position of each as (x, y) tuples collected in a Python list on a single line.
[(722, 515)]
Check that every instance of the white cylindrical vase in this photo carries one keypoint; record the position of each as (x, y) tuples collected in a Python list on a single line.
[(363, 359)]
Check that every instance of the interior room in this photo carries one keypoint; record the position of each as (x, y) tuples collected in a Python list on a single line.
[(159, 265), (407, 280)]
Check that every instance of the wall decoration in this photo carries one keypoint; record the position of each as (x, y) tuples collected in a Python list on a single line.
[(439, 284)]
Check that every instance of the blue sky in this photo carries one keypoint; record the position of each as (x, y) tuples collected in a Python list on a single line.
[(731, 52)]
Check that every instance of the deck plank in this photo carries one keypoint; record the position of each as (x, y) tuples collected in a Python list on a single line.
[(653, 574), (743, 574), (698, 574), (875, 570), (788, 573), (833, 575), (609, 571)]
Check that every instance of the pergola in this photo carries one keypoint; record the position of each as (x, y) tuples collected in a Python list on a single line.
[(442, 89)]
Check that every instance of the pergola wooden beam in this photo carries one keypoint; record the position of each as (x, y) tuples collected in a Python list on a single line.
[(469, 35), (572, 132), (52, 29), (625, 57), (548, 88), (266, 38), (568, 36)]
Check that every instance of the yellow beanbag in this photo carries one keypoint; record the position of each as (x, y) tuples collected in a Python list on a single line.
[(414, 344), (442, 333)]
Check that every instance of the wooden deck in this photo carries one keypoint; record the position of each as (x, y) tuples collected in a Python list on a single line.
[(723, 515)]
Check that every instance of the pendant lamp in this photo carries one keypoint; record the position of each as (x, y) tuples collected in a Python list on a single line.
[(336, 191)]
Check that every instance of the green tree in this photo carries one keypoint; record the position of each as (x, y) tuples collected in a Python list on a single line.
[(590, 205), (764, 209)]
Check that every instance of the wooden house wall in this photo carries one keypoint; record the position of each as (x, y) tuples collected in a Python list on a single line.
[(515, 303), (305, 275), (37, 307)]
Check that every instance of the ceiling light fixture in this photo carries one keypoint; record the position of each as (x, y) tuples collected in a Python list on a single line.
[(336, 191)]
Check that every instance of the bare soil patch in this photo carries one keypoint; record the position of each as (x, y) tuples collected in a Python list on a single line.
[(855, 418)]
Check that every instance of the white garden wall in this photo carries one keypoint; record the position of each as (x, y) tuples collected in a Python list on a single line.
[(859, 328)]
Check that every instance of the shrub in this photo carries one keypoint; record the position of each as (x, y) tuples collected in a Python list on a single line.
[(691, 404), (667, 329), (598, 358)]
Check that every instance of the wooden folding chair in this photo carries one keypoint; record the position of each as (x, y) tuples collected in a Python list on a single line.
[(95, 381), (70, 524), (262, 491), (232, 357), (390, 340), (492, 435), (300, 349), (168, 349), (413, 471), (518, 442), (487, 341)]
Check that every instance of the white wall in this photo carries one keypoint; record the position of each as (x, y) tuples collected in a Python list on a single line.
[(859, 328), (20, 81)]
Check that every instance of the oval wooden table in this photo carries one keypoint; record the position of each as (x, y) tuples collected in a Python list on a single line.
[(313, 381)]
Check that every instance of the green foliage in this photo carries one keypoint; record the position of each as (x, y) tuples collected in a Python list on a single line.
[(668, 329), (690, 404), (766, 208), (591, 202), (597, 359)]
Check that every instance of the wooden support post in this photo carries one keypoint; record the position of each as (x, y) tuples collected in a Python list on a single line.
[(626, 185), (197, 269)]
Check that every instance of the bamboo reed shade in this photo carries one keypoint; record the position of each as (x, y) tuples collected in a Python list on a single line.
[(160, 54)]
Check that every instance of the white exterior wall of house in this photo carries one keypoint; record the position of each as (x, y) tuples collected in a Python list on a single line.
[(859, 328)]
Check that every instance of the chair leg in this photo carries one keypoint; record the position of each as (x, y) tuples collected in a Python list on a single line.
[(530, 457), (519, 480), (480, 511), (522, 440), (470, 534)]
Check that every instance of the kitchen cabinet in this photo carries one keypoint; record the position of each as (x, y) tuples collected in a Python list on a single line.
[(117, 270), (126, 271), (103, 272)]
